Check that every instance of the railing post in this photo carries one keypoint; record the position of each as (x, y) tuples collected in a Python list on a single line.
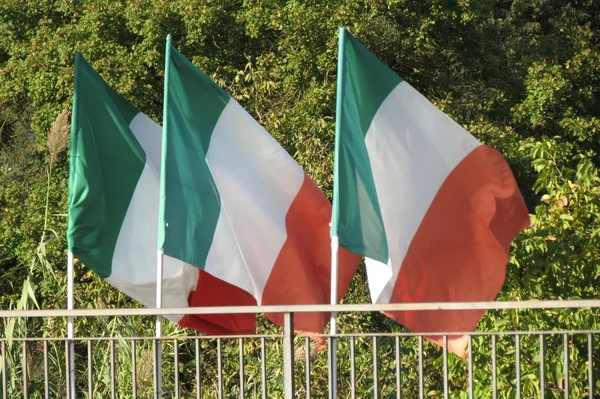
[(288, 355), (69, 393)]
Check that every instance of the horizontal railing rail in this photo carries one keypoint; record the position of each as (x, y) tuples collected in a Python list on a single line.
[(554, 363), (499, 305), (311, 336)]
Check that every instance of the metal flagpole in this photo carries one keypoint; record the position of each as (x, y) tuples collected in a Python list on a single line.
[(333, 323), (158, 342), (161, 252), (335, 243), (70, 328)]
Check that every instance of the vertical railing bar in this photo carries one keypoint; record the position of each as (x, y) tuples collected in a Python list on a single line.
[(156, 358), (307, 365), (25, 372), (133, 369), (176, 361), (352, 369), (566, 364), (219, 369), (542, 368), (67, 373), (263, 369), (46, 372), (494, 369), (445, 355), (288, 356), (113, 391), (198, 382), (375, 373), (90, 364), (470, 366), (242, 393), (590, 363), (330, 368), (398, 368), (4, 377), (421, 382), (518, 365)]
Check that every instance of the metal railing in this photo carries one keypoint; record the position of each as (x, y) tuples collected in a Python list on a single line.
[(520, 364)]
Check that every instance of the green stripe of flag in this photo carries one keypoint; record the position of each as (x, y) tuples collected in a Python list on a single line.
[(190, 204), (356, 218), (105, 166)]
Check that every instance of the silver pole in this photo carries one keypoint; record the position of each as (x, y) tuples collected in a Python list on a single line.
[(70, 326), (335, 243), (288, 356), (158, 345)]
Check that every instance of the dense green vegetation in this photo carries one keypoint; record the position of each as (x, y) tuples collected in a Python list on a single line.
[(523, 76)]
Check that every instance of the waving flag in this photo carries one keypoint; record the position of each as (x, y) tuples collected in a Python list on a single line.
[(113, 207), (235, 205), (432, 209)]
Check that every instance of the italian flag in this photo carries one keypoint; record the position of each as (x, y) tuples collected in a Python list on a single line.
[(235, 205), (113, 207), (432, 209)]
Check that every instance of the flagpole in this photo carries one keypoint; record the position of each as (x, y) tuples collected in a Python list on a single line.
[(70, 327), (335, 243), (161, 251), (158, 343), (333, 322)]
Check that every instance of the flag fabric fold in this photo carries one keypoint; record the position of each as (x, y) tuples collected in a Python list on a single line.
[(235, 205), (113, 206), (432, 209)]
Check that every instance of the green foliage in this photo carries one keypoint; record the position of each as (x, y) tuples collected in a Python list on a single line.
[(523, 76)]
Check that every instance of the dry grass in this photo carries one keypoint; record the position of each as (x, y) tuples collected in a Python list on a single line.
[(58, 135)]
